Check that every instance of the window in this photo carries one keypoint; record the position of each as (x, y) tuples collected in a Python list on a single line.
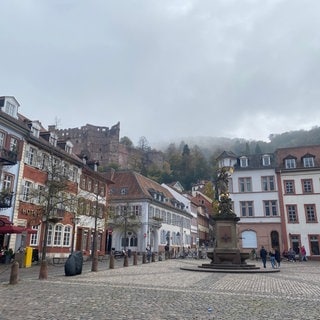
[(314, 244), (137, 210), (292, 213), (163, 215), (83, 182), (246, 208), (10, 109), (74, 177), (50, 234), (34, 236), (53, 139), (89, 187), (169, 218), (2, 136), (310, 211), (66, 170), (308, 162), (290, 163), (41, 191), (35, 130), (67, 236), (266, 160), (7, 183), (57, 235), (26, 190), (31, 156), (268, 183), (123, 191), (245, 185), (13, 144), (44, 161), (307, 186), (289, 186), (243, 162), (270, 208)]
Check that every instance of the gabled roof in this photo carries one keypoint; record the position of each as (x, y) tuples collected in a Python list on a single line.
[(130, 185), (137, 186), (227, 154)]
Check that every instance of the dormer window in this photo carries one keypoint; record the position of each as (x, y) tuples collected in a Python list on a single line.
[(266, 160), (243, 162), (53, 139), (9, 105), (290, 163), (10, 109), (35, 129), (123, 191), (308, 161), (68, 147)]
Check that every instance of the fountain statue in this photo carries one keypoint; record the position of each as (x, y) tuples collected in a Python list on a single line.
[(226, 254)]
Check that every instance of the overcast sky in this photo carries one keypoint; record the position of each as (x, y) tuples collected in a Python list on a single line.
[(165, 69)]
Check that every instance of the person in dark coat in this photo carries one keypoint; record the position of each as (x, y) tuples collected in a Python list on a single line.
[(263, 256), (277, 256)]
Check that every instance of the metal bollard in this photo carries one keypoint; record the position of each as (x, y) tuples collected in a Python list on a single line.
[(125, 261), (153, 257), (135, 258), (111, 262), (144, 258), (14, 275)]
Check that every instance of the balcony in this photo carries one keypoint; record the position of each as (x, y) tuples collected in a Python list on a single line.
[(155, 222), (7, 157), (6, 199)]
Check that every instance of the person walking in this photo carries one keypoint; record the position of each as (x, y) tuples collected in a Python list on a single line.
[(263, 256), (303, 254), (272, 258), (277, 257)]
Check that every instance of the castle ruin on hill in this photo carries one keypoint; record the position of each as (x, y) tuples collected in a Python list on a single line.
[(95, 142)]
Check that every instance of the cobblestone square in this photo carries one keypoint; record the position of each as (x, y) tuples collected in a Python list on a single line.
[(161, 290)]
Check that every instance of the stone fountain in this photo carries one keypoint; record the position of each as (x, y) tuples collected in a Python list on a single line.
[(226, 254)]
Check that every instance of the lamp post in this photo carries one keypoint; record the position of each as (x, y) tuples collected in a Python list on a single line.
[(75, 220)]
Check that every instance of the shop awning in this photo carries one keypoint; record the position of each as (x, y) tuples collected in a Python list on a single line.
[(6, 226), (15, 229)]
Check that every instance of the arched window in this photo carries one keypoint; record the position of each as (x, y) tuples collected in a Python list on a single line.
[(249, 239), (57, 235), (50, 234), (67, 236), (163, 237)]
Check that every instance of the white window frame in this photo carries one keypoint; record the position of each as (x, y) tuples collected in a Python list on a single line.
[(290, 163)]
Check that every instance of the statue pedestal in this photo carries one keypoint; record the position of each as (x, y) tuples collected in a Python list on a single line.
[(226, 254)]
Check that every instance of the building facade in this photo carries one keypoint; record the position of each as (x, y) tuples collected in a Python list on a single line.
[(143, 213)]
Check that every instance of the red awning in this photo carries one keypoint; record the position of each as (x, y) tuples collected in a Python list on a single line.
[(6, 226), (15, 229)]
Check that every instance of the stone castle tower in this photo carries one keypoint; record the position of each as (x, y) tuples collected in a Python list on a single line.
[(97, 143)]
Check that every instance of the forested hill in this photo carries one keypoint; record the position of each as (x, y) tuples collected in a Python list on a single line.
[(210, 145), (191, 160)]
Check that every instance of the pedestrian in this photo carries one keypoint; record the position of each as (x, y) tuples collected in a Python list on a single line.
[(272, 258), (303, 253), (263, 256), (148, 249), (277, 256), (291, 255)]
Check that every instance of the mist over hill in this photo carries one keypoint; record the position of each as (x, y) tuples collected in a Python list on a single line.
[(212, 145)]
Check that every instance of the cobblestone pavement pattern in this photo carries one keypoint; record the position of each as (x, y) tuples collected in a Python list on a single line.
[(161, 290)]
